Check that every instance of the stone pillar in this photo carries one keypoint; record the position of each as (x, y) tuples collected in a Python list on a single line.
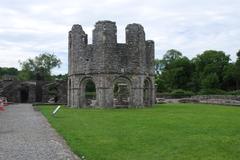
[(135, 39), (104, 92), (77, 48), (137, 91), (150, 57), (104, 46)]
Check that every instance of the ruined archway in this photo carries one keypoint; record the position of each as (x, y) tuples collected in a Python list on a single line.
[(122, 92), (147, 92), (88, 93)]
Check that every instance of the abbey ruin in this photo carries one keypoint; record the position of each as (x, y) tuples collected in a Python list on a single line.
[(122, 74)]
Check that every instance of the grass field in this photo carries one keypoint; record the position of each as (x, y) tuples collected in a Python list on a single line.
[(164, 132)]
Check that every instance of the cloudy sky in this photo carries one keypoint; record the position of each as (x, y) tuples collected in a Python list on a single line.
[(28, 27)]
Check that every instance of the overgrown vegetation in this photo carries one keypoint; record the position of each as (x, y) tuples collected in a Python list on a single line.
[(166, 132)]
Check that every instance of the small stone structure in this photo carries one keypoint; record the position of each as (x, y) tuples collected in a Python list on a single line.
[(123, 73), (33, 91)]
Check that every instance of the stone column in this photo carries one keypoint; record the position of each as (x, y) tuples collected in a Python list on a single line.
[(137, 91)]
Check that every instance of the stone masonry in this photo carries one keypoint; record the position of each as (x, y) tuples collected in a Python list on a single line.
[(106, 62)]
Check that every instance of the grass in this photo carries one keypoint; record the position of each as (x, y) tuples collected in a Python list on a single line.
[(164, 132)]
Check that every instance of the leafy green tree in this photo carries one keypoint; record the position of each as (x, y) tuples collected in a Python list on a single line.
[(175, 71), (210, 63), (178, 73), (238, 55), (40, 67), (8, 71), (170, 56), (231, 77), (237, 73), (211, 81)]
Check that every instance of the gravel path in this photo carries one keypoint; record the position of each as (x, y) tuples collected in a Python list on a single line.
[(26, 135)]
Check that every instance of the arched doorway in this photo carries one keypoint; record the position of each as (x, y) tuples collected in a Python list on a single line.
[(53, 93), (121, 92), (147, 92), (90, 93), (24, 95)]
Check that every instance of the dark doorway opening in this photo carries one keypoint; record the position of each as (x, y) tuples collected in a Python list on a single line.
[(24, 95)]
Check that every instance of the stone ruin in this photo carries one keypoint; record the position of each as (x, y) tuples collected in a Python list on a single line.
[(121, 74), (33, 91)]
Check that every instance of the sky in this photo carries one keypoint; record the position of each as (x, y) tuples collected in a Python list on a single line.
[(31, 27)]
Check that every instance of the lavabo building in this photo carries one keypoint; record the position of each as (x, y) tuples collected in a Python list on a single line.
[(122, 73)]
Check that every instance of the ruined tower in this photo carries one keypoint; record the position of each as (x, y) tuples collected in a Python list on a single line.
[(122, 73)]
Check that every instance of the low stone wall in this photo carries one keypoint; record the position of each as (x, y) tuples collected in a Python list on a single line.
[(206, 99), (223, 97), (218, 99)]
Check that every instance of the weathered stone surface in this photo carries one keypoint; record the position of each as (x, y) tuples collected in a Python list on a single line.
[(105, 61)]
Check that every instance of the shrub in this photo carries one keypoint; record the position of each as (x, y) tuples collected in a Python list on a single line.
[(188, 100), (236, 92), (180, 93), (212, 92)]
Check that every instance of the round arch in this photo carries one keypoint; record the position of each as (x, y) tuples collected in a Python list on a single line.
[(147, 92), (122, 92), (87, 92)]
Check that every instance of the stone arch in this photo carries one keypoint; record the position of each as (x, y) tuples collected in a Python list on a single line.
[(122, 92), (86, 98), (147, 92)]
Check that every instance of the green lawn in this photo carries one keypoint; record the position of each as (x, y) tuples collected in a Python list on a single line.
[(164, 132)]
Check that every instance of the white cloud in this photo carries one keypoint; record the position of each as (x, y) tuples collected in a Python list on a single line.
[(33, 27)]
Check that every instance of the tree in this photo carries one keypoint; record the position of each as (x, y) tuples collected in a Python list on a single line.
[(8, 71), (40, 67), (178, 73), (211, 62), (231, 77), (238, 55), (170, 56), (237, 73), (174, 71), (211, 81)]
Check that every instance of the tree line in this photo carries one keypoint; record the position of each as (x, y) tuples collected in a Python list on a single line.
[(211, 72)]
